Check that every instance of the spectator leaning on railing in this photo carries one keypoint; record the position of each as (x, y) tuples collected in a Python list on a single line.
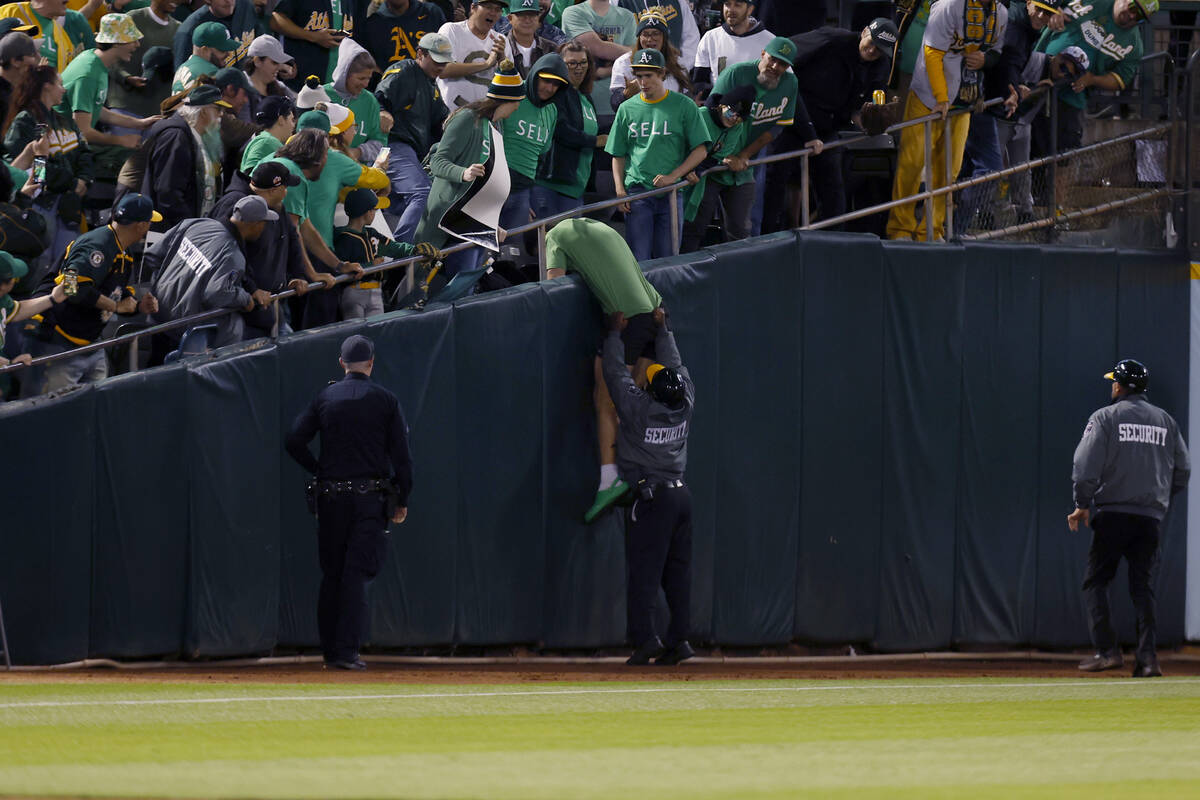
[(198, 266), (836, 72), (276, 260), (725, 116), (947, 73), (776, 106), (739, 38), (13, 269), (657, 139), (99, 265), (1107, 31), (409, 92)]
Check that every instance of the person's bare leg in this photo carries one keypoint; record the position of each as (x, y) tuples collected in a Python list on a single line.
[(606, 430)]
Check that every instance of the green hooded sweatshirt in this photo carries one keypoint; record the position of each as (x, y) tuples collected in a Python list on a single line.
[(529, 131)]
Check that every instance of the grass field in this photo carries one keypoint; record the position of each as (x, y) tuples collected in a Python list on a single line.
[(896, 738)]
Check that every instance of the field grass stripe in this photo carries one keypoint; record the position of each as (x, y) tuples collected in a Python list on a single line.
[(1128, 682)]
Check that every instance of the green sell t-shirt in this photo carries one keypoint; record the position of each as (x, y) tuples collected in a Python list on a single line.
[(340, 170), (603, 258), (261, 147), (655, 138), (1110, 48), (591, 127), (86, 82), (528, 132), (189, 71)]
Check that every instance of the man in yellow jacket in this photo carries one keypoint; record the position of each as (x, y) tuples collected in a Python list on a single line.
[(949, 72)]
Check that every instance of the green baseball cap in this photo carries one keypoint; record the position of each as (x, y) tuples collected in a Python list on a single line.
[(648, 58), (782, 48), (12, 267), (520, 6), (314, 119), (213, 34), (1147, 7)]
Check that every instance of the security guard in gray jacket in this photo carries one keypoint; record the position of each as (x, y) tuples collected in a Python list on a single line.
[(363, 476), (651, 458), (1129, 462)]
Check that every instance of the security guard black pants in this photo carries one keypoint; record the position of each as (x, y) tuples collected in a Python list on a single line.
[(658, 551), (352, 543), (1134, 537)]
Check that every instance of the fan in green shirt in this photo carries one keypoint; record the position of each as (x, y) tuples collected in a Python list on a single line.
[(1107, 31), (658, 136), (64, 34)]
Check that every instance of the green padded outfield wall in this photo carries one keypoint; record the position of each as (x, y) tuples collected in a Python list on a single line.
[(880, 455)]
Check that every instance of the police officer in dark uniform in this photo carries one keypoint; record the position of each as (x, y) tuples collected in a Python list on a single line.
[(363, 478), (651, 458), (1128, 464)]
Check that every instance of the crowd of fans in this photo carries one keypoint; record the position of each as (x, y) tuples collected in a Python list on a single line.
[(268, 144)]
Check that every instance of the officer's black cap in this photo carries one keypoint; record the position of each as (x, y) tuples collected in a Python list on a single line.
[(357, 349), (1131, 374)]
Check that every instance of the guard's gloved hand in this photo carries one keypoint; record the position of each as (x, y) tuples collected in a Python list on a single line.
[(429, 251)]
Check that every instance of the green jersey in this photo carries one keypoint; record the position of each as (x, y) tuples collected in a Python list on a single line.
[(340, 170), (61, 42), (603, 258), (655, 137), (189, 71), (528, 132), (261, 147), (771, 107), (8, 310), (86, 82), (1109, 47), (296, 199)]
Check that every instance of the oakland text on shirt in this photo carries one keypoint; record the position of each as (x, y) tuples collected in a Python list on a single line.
[(1078, 8), (1143, 434), (1095, 35), (675, 433), (760, 113)]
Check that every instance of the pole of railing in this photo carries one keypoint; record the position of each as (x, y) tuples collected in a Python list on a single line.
[(804, 178), (675, 232), (1189, 117), (948, 149), (541, 239), (133, 355), (1052, 172), (927, 126)]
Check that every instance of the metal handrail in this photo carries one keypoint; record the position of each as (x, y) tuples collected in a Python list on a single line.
[(542, 224)]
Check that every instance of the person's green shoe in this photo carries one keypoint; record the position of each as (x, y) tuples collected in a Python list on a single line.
[(605, 498)]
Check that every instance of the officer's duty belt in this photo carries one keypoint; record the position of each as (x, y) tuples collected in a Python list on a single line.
[(361, 486)]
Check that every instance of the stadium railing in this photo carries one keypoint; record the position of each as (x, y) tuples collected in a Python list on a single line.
[(1182, 127)]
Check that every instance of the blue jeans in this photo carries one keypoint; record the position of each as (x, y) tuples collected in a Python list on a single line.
[(410, 190), (983, 151), (648, 226), (549, 203), (463, 261)]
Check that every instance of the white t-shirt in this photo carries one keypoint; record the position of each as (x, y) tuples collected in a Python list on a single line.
[(719, 48), (467, 48), (622, 72)]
